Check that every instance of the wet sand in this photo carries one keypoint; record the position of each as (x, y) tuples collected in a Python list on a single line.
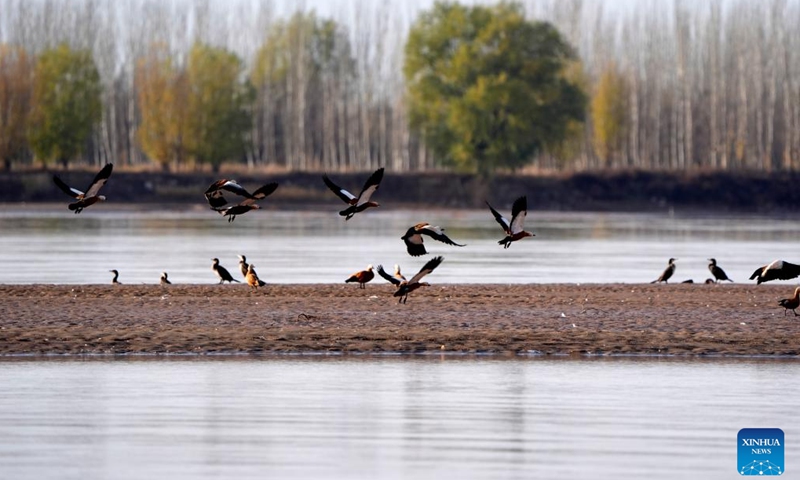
[(731, 319)]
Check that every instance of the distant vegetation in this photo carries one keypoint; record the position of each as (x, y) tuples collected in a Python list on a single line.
[(549, 85)]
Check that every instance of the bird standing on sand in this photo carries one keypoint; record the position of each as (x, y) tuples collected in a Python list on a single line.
[(777, 270), (791, 303), (252, 277), (164, 279), (719, 274), (667, 272), (362, 201), (413, 238), (91, 196), (404, 288), (115, 280), (515, 228), (361, 277), (222, 272), (216, 199)]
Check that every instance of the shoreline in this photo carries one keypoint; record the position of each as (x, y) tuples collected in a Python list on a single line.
[(587, 320)]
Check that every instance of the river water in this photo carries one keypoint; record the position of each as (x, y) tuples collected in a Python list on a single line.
[(389, 417), (52, 245)]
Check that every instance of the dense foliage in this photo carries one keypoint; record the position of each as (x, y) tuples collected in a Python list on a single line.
[(486, 86)]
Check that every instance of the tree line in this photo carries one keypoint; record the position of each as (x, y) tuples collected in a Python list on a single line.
[(660, 85)]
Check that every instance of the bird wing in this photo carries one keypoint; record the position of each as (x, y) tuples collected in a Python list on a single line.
[(504, 223), (437, 233), (789, 271), (372, 184), (265, 191), (340, 192), (99, 180), (386, 276), (426, 269), (214, 193), (72, 192), (757, 272), (262, 192), (235, 188), (518, 213)]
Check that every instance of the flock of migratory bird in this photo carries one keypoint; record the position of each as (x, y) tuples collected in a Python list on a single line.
[(218, 192)]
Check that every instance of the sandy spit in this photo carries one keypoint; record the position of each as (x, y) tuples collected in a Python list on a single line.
[(502, 319)]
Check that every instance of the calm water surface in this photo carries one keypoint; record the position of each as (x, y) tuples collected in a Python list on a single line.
[(55, 246), (299, 418)]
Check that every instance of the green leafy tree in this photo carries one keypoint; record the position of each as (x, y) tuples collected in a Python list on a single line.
[(163, 102), (66, 103), (16, 74), (609, 107), (218, 118), (487, 87)]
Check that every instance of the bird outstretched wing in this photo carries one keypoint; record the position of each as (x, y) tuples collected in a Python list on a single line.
[(99, 180), (426, 269), (504, 223), (370, 186), (72, 192), (518, 213), (386, 276), (340, 192), (437, 233)]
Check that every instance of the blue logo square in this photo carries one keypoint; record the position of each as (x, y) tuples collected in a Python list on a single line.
[(760, 451)]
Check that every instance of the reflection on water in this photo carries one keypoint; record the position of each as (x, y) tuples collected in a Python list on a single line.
[(55, 246), (388, 417)]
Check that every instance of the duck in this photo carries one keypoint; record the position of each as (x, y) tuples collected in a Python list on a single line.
[(222, 272), (667, 272), (777, 270), (358, 203), (115, 280), (216, 199), (397, 274), (514, 229), (164, 279), (413, 238), (791, 303), (362, 277), (90, 197), (404, 288), (719, 274), (252, 277)]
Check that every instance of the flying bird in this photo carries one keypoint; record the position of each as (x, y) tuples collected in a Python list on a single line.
[(164, 279), (413, 238), (362, 201), (719, 274), (91, 196), (791, 303), (115, 280), (404, 288), (777, 270), (515, 228), (667, 272), (215, 195), (252, 277), (361, 277), (222, 272)]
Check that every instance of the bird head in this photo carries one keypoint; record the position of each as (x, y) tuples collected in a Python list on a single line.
[(712, 261), (242, 258), (369, 267), (215, 261)]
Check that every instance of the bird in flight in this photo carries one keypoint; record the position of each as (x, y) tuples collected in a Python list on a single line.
[(90, 197), (413, 238), (216, 198), (362, 201), (404, 288), (777, 270), (514, 229)]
